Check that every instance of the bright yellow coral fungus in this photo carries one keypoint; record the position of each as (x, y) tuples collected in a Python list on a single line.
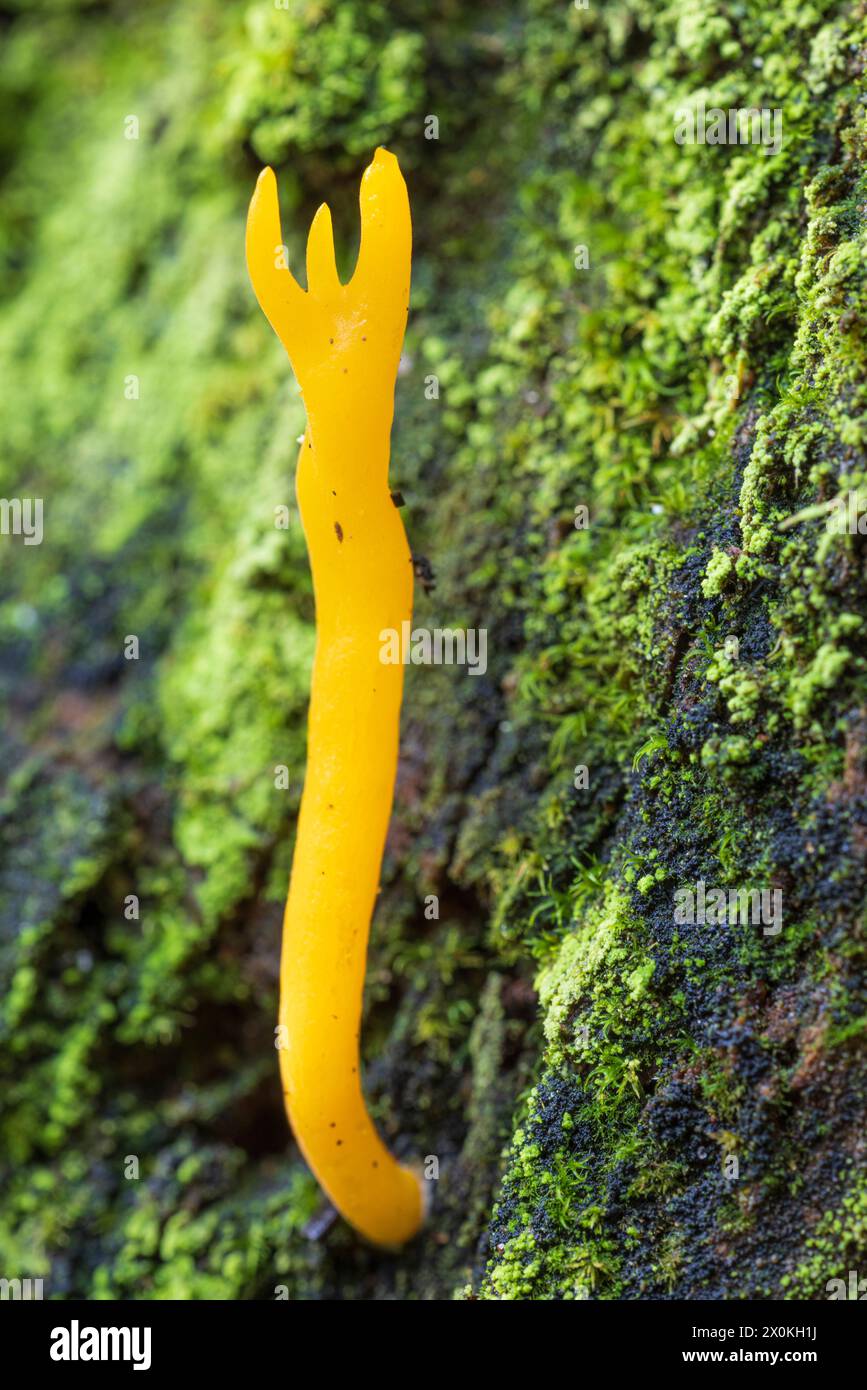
[(344, 344)]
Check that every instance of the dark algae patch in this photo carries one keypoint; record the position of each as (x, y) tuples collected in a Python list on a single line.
[(620, 1105)]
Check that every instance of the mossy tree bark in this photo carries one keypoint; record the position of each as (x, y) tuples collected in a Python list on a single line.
[(672, 336)]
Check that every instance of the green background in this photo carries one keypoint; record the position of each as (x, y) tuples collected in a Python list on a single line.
[(580, 1067)]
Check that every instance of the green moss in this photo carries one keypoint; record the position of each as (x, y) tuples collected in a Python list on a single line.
[(719, 569), (834, 1248), (699, 388)]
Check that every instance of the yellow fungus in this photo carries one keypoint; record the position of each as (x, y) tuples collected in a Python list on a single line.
[(344, 343)]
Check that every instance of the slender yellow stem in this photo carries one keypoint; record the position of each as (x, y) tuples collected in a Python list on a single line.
[(344, 343)]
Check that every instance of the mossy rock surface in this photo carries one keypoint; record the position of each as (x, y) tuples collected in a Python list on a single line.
[(621, 1105)]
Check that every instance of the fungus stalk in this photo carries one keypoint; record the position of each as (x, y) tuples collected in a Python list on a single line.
[(344, 344)]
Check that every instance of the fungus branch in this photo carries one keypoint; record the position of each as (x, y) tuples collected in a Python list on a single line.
[(344, 343)]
